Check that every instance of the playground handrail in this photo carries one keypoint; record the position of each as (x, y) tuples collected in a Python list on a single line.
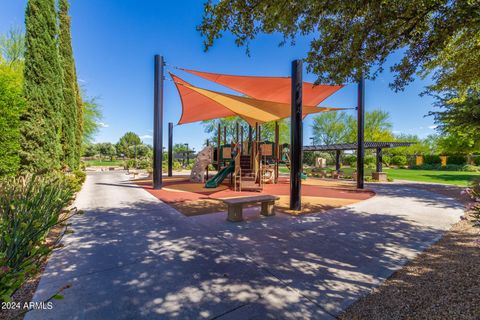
[(237, 174)]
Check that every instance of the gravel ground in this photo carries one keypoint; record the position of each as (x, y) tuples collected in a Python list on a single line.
[(441, 283)]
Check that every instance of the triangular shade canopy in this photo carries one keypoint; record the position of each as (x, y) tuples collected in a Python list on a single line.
[(277, 89), (196, 107), (201, 104)]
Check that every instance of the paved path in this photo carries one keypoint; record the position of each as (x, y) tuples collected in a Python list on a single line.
[(133, 257)]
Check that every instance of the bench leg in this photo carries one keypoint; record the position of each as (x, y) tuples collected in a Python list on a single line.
[(235, 213), (268, 209)]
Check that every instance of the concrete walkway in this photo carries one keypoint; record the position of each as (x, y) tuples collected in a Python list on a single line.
[(133, 257)]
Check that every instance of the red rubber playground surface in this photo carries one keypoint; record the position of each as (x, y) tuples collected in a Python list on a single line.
[(193, 198)]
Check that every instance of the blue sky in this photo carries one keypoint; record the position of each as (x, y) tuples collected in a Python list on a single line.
[(115, 41)]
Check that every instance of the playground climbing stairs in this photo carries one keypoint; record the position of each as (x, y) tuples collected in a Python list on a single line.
[(248, 176)]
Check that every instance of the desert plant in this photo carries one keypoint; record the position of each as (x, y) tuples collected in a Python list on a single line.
[(29, 207)]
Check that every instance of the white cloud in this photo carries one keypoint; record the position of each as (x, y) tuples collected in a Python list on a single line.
[(82, 81), (103, 125), (146, 136), (432, 127)]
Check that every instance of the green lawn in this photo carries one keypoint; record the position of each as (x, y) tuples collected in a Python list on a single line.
[(459, 178), (103, 163)]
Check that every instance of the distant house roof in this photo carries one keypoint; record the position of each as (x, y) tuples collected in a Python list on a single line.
[(353, 146)]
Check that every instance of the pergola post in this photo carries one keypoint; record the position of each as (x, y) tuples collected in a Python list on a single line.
[(337, 160), (296, 139), (158, 121), (379, 160), (360, 132), (170, 148)]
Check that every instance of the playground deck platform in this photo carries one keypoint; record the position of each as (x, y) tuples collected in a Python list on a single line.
[(191, 198)]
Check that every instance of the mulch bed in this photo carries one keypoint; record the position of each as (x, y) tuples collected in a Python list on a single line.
[(194, 199), (441, 283)]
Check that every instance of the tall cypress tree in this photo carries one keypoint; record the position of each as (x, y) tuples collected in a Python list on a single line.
[(80, 119), (69, 112), (41, 122)]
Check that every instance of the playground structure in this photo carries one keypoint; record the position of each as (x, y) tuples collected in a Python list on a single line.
[(252, 163)]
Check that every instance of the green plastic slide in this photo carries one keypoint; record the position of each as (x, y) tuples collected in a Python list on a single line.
[(220, 176)]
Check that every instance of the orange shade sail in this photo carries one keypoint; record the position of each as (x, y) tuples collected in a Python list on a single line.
[(195, 106), (277, 89), (201, 104)]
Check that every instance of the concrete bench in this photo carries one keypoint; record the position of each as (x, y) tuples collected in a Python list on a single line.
[(235, 206)]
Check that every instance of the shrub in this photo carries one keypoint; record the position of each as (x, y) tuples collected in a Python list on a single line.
[(470, 168), (431, 159), (11, 105), (386, 160), (476, 160), (369, 160), (144, 164), (76, 180), (474, 206), (457, 159), (399, 160), (29, 207), (178, 166), (349, 160), (370, 166), (129, 164)]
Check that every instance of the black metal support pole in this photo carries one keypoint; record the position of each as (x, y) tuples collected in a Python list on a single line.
[(218, 146), (296, 137), (158, 123), (208, 143), (277, 150), (379, 160), (225, 135), (360, 133), (337, 160), (170, 148)]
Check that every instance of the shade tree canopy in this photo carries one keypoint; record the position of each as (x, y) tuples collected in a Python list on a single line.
[(350, 39)]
